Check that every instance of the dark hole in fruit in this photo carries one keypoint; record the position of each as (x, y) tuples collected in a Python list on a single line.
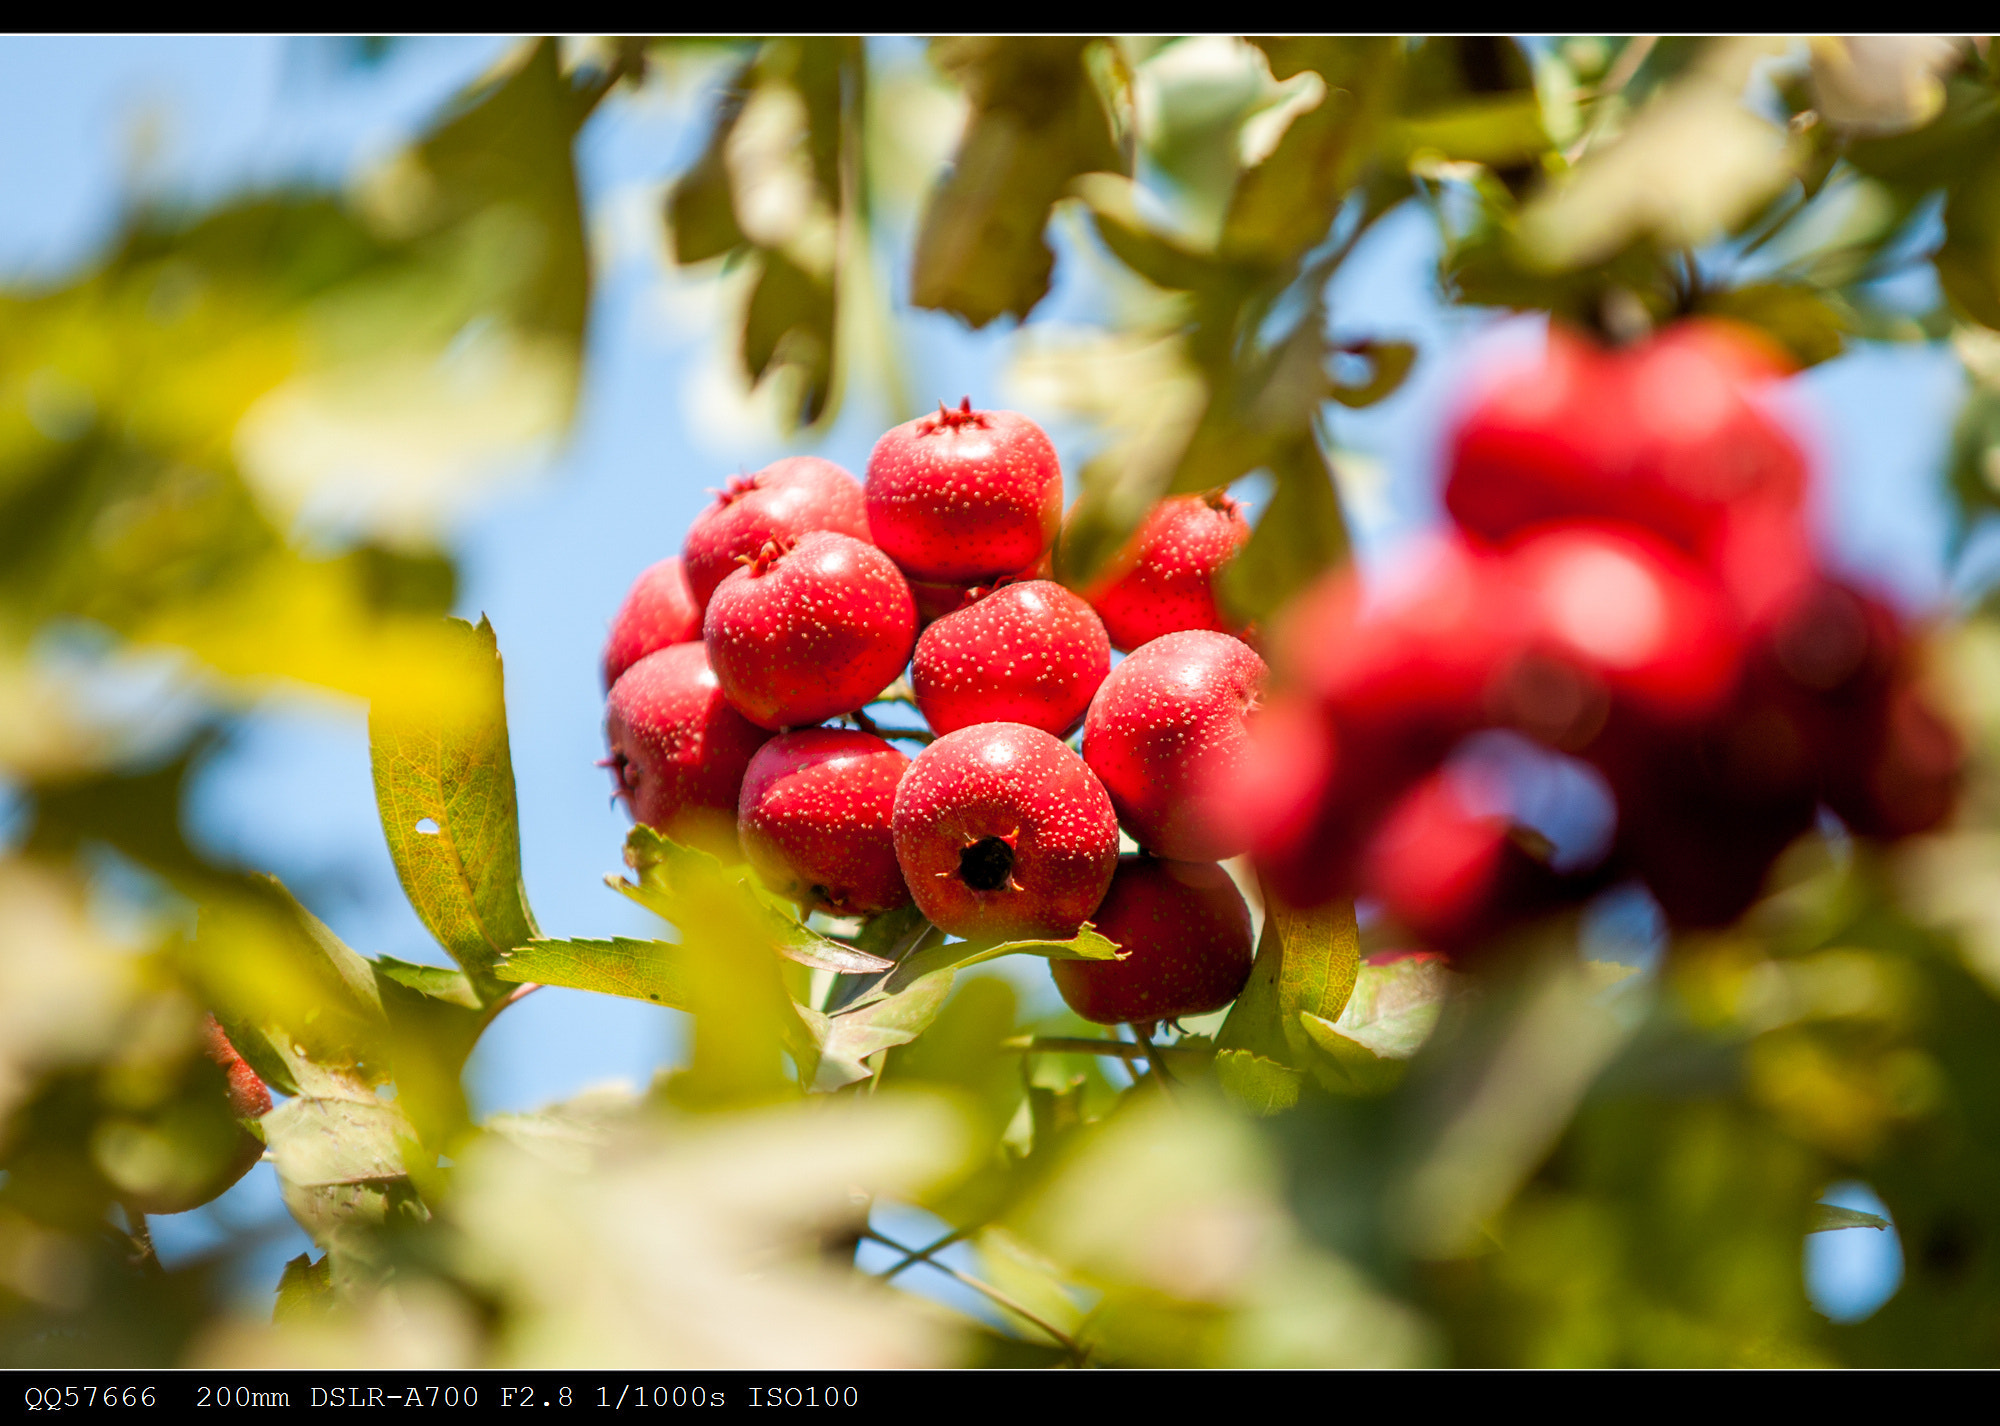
[(986, 864)]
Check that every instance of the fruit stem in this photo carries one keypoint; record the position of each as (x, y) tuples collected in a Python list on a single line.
[(1154, 1059)]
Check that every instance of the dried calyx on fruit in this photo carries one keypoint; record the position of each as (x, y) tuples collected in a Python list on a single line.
[(1001, 830)]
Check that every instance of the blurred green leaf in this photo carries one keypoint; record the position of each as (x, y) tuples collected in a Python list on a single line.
[(1389, 364), (674, 881), (731, 942), (1038, 120), (444, 784), (1826, 1217), (1286, 204), (780, 184), (305, 1290), (1301, 534), (1807, 322)]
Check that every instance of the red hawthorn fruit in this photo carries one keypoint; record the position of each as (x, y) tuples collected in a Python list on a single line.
[(1633, 612), (660, 609), (965, 496), (1667, 435), (1273, 803), (1030, 653), (1416, 660), (1383, 685), (1002, 831), (678, 750), (807, 632), (814, 819), (1840, 662), (784, 500), (1163, 581), (1455, 875), (1185, 932), (249, 1098), (1165, 730)]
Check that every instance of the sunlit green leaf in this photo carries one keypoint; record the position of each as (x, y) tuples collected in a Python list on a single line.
[(639, 970), (445, 787), (1307, 965), (1085, 945)]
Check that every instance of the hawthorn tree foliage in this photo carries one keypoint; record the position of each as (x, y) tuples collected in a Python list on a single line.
[(1538, 1161)]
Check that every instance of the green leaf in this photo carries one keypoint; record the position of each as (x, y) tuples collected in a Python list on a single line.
[(1307, 964), (1301, 534), (1975, 459), (1037, 121), (1262, 1086), (1162, 259), (700, 210), (730, 943), (339, 1150), (1389, 364), (289, 993), (848, 1037), (437, 982), (1085, 945), (638, 970), (1806, 321), (674, 878), (1826, 1217), (1285, 205), (1497, 129), (305, 1290), (1391, 1012), (445, 787)]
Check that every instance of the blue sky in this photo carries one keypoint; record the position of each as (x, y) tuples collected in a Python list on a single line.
[(85, 124)]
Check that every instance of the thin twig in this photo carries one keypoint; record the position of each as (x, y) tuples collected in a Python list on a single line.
[(923, 1255), (1060, 1337)]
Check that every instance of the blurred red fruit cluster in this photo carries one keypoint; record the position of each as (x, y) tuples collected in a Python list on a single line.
[(802, 594), (1630, 594)]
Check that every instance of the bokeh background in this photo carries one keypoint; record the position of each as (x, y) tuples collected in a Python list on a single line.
[(91, 127)]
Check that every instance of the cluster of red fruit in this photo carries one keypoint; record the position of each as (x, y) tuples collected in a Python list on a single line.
[(801, 594), (1631, 590)]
